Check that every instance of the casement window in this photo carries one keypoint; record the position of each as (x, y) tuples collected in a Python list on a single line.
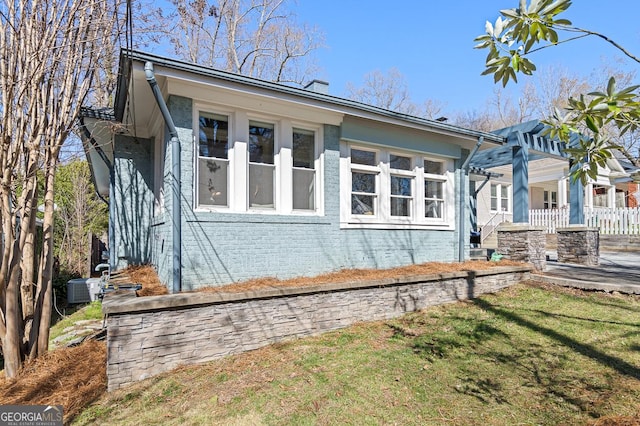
[(384, 188), (500, 194), (550, 200), (213, 160), (256, 165)]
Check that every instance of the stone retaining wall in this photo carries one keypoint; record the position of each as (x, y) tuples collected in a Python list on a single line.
[(150, 335)]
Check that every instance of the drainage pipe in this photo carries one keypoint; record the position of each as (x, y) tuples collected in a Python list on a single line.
[(175, 166), (462, 236)]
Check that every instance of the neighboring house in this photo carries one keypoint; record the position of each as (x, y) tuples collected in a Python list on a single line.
[(271, 180)]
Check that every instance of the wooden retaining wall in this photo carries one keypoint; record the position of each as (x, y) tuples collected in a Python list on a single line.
[(150, 335)]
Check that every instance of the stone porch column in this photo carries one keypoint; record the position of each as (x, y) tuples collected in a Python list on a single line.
[(523, 242), (579, 244)]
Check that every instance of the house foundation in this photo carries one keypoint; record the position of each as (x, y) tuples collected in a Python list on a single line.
[(579, 244), (522, 242)]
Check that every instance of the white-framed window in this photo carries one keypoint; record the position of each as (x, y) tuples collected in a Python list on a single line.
[(391, 188), (434, 183), (364, 182), (500, 197), (550, 199), (262, 168), (402, 172), (245, 163), (304, 152), (213, 160)]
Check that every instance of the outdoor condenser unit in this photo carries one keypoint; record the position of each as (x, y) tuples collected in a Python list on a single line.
[(83, 290)]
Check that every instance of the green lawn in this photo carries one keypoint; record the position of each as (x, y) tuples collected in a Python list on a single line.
[(528, 355)]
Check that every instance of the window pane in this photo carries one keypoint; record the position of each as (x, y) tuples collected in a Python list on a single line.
[(494, 190), (213, 135), (362, 204), (261, 185), (433, 167), (399, 162), (400, 206), (363, 157), (504, 191), (363, 182), (303, 148), (212, 182), (304, 189), (433, 208), (432, 189), (401, 186), (504, 203), (261, 142)]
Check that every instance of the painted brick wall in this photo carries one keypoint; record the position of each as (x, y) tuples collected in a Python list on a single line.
[(218, 248), (149, 335), (132, 201)]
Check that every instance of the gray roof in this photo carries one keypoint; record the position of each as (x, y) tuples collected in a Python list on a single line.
[(128, 56)]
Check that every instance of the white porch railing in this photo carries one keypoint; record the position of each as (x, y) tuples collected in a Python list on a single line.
[(621, 221)]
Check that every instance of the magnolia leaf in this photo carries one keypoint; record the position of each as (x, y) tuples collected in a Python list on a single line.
[(611, 86), (488, 27)]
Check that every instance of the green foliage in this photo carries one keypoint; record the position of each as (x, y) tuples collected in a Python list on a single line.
[(79, 213), (589, 117)]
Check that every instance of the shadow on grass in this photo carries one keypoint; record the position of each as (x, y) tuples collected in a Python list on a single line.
[(571, 317), (590, 351)]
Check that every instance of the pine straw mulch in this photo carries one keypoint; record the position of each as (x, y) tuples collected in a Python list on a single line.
[(354, 275), (151, 285), (71, 377)]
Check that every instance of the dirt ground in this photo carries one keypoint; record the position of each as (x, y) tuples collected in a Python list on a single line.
[(74, 377)]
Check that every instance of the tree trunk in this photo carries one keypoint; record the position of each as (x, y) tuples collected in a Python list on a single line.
[(46, 261)]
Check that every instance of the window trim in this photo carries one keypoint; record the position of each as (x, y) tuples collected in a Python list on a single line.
[(238, 157), (383, 219)]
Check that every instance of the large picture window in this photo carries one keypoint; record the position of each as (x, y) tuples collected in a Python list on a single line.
[(213, 160)]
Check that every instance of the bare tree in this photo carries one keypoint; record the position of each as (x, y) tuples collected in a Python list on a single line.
[(391, 91), (50, 50), (258, 38)]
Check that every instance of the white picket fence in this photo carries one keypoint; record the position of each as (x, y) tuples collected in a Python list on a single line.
[(618, 221)]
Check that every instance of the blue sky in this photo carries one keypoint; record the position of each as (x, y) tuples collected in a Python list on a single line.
[(431, 43)]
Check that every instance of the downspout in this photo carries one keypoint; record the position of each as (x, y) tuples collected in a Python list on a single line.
[(462, 237), (175, 165)]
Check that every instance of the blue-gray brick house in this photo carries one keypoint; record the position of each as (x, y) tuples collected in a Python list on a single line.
[(220, 178)]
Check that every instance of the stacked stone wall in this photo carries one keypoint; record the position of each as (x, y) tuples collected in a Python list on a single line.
[(150, 335)]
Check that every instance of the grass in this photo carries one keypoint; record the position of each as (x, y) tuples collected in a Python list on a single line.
[(92, 311), (531, 354)]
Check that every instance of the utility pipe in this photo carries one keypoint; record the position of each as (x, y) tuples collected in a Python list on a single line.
[(462, 236), (175, 169)]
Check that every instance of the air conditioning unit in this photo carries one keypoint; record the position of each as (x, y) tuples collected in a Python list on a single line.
[(83, 290)]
